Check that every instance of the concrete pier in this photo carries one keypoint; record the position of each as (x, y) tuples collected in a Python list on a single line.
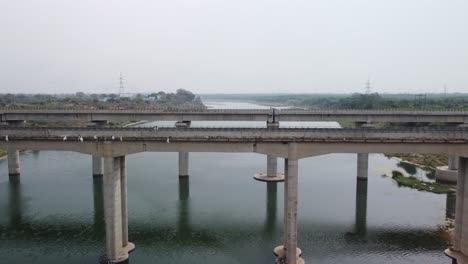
[(362, 166), (98, 199), (272, 166), (448, 173), (450, 204), (289, 249), (271, 204), (123, 191), (459, 251), (183, 156), (183, 164), (272, 174), (184, 228), (13, 163), (98, 168), (114, 213), (360, 228), (285, 221), (363, 158), (291, 231), (453, 162)]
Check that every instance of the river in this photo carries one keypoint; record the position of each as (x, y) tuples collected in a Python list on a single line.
[(220, 214)]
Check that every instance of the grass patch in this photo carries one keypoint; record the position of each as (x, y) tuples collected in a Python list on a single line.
[(3, 153), (415, 183)]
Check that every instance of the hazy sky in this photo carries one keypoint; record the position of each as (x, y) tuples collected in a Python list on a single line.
[(218, 46)]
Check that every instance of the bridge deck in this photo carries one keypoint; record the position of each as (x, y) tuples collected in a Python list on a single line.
[(428, 135), (390, 115)]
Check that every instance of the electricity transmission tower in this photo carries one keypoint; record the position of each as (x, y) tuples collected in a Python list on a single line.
[(121, 88), (368, 87)]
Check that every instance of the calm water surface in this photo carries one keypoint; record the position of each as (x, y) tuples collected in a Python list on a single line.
[(220, 214)]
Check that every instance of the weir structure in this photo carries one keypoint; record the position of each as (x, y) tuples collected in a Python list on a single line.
[(112, 145)]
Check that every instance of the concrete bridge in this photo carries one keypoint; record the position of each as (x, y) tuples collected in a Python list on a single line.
[(113, 144), (109, 147), (267, 115)]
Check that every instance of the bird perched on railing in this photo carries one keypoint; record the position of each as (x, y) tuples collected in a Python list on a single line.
[(64, 138)]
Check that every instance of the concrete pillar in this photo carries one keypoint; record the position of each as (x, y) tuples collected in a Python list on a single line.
[(97, 162), (291, 231), (15, 203), (272, 166), (184, 228), (183, 164), (453, 162), (290, 211), (13, 154), (362, 166), (98, 198), (450, 204), (13, 163), (285, 221), (113, 209), (361, 208), (271, 209), (113, 213), (123, 190), (460, 242), (98, 169), (183, 156)]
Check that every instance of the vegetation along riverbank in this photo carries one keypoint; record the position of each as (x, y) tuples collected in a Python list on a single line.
[(415, 183)]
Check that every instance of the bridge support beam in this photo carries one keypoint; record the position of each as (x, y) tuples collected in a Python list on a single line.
[(288, 252), (115, 209), (459, 251), (362, 166), (13, 163)]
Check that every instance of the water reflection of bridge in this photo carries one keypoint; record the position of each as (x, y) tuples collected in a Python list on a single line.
[(188, 234)]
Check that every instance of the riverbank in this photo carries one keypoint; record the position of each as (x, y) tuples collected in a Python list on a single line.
[(415, 183)]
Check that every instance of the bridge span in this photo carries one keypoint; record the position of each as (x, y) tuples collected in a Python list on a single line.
[(112, 145), (267, 115), (310, 141)]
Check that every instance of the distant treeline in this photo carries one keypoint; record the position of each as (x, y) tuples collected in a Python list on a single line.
[(356, 101), (181, 99)]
